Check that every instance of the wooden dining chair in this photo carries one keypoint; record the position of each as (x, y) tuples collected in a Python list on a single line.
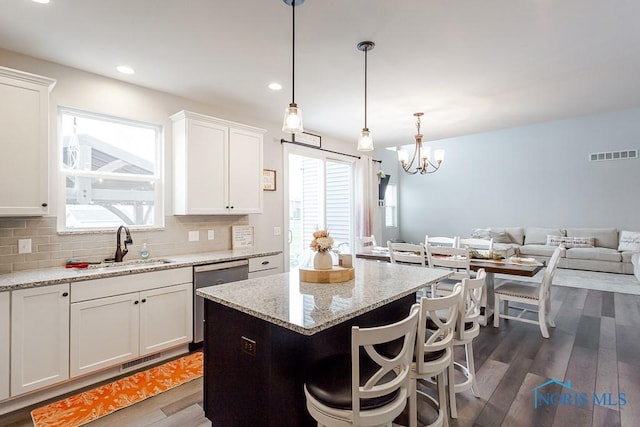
[(407, 253), (454, 259), (537, 298), (451, 242)]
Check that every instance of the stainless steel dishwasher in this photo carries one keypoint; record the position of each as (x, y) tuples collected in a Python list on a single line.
[(212, 275)]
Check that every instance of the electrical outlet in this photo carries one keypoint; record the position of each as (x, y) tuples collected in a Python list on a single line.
[(276, 231), (24, 246), (248, 346), (211, 234), (194, 236)]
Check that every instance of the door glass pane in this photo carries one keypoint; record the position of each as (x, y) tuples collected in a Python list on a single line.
[(320, 197)]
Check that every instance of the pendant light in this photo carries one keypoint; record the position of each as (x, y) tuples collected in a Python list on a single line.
[(365, 142), (292, 122)]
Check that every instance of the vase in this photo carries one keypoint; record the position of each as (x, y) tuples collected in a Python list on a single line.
[(322, 261)]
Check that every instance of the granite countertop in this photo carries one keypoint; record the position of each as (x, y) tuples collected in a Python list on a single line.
[(309, 308), (52, 276)]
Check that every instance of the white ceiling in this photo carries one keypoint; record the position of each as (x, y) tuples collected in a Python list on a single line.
[(470, 66)]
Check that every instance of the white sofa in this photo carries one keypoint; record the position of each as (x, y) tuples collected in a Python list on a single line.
[(595, 249)]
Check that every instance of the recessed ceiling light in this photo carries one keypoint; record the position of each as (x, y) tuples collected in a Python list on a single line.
[(275, 86), (124, 69), (41, 1)]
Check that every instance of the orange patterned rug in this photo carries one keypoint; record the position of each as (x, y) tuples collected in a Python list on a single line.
[(90, 405)]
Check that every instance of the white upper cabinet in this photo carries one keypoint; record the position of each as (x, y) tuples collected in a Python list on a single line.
[(24, 138), (217, 166)]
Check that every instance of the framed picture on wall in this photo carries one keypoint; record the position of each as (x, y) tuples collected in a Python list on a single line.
[(268, 180), (242, 236)]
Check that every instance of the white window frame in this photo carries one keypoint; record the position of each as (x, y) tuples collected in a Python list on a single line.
[(157, 177), (391, 206)]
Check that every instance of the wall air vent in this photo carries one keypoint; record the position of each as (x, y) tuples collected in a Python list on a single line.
[(614, 155), (141, 361)]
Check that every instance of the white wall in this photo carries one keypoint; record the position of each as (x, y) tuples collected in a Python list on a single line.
[(536, 175), (91, 92)]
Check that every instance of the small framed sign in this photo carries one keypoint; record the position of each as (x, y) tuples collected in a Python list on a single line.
[(242, 236), (268, 180), (307, 139)]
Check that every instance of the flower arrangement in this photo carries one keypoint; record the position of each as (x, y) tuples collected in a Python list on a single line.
[(322, 241)]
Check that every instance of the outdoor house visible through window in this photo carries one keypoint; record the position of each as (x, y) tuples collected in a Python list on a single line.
[(110, 172)]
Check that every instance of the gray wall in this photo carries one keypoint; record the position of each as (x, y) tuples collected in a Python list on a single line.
[(535, 175)]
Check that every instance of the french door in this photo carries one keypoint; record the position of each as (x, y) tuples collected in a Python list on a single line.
[(319, 196)]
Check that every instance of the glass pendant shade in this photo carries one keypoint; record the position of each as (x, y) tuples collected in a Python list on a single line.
[(403, 156), (439, 156), (292, 122), (365, 142)]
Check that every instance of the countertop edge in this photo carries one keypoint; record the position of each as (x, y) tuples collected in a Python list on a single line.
[(56, 275)]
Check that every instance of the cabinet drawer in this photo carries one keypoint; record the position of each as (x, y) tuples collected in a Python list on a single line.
[(268, 262), (136, 282)]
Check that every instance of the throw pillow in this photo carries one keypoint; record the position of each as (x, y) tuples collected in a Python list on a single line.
[(579, 242), (629, 241), (553, 240), (481, 233), (500, 237)]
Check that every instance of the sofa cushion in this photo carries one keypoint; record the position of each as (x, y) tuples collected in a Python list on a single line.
[(537, 250), (627, 255), (579, 242), (598, 254), (516, 234), (629, 241), (489, 233), (538, 236), (603, 237)]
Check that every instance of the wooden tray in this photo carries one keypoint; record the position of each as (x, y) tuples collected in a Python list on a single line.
[(335, 275)]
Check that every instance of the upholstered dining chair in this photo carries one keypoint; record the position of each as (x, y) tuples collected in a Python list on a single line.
[(536, 298), (368, 387), (434, 354)]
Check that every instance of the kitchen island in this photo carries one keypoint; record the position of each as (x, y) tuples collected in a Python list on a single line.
[(262, 334)]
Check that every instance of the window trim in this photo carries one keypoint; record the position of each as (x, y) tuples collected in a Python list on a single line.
[(61, 173)]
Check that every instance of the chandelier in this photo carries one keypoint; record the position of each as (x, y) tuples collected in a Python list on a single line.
[(425, 163)]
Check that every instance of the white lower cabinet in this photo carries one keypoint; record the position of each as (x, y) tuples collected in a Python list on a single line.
[(39, 337), (104, 332), (110, 330), (5, 338)]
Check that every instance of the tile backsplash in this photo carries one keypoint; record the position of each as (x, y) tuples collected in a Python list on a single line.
[(50, 249)]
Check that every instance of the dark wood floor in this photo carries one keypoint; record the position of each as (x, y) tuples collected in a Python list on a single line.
[(596, 345)]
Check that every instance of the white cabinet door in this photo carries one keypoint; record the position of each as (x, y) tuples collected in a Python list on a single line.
[(204, 189), (24, 138), (217, 166), (4, 344), (104, 332), (245, 171), (166, 318), (39, 337)]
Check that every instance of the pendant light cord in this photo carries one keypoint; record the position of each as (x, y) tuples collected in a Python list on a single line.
[(366, 50), (293, 52)]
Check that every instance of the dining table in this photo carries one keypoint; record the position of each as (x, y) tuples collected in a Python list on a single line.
[(514, 266)]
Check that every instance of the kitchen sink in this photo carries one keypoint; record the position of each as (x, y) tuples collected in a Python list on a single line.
[(132, 263)]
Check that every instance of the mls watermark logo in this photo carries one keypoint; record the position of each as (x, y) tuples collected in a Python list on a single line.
[(568, 396)]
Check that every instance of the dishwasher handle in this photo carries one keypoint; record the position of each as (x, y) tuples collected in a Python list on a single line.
[(220, 266)]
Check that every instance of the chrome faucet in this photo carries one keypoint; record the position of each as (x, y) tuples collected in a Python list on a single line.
[(120, 253)]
